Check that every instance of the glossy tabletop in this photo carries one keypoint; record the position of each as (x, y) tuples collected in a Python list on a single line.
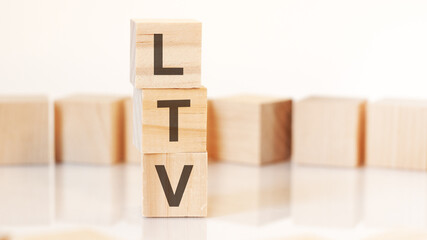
[(245, 202)]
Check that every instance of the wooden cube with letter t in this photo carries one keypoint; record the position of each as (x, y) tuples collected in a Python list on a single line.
[(165, 53), (172, 120), (175, 185)]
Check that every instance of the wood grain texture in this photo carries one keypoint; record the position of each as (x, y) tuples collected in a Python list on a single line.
[(194, 199), (67, 235), (154, 134), (24, 127), (132, 154), (249, 129), (89, 129), (181, 49), (397, 134), (329, 131)]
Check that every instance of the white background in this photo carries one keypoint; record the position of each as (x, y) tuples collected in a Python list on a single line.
[(370, 48)]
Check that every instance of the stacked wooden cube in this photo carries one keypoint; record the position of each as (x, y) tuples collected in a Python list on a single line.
[(170, 111)]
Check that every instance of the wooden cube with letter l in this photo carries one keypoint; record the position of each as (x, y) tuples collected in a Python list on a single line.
[(171, 120), (329, 131), (165, 53), (175, 185)]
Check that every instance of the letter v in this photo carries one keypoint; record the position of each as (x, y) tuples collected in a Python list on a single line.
[(174, 199)]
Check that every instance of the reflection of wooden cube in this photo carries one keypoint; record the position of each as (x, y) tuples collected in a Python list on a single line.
[(397, 134), (175, 185), (249, 129), (89, 129), (24, 130), (174, 228), (325, 197), (329, 131), (265, 192), (26, 196), (131, 152), (89, 194), (172, 120), (67, 235), (166, 53), (384, 192)]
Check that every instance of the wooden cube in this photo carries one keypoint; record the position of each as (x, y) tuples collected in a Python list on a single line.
[(329, 131), (171, 120), (249, 129), (24, 128), (175, 185), (132, 154), (89, 129), (397, 134), (166, 53)]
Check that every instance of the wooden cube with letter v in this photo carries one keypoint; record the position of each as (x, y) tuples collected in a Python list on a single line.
[(175, 185)]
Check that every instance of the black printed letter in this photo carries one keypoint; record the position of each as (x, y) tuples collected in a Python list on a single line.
[(174, 199), (173, 106), (158, 59)]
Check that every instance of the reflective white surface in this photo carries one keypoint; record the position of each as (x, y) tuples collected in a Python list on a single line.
[(245, 202)]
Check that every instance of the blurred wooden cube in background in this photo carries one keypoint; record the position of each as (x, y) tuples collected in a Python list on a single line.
[(329, 131), (397, 134), (249, 129), (132, 154), (89, 129), (24, 127)]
